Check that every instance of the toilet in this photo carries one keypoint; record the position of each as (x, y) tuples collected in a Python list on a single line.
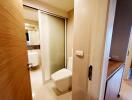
[(63, 78)]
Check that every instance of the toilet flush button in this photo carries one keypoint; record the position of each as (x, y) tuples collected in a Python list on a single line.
[(79, 53)]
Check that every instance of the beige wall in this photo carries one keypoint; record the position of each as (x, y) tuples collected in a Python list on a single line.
[(31, 22), (45, 7), (70, 24), (92, 27), (101, 32), (30, 14)]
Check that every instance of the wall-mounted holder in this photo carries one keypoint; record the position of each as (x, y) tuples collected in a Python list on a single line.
[(79, 53)]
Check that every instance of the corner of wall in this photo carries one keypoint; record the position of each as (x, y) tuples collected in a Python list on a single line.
[(45, 7), (70, 32)]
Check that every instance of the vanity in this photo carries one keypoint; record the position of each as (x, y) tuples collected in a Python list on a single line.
[(114, 79)]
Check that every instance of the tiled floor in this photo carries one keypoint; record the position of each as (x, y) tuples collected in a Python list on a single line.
[(126, 90), (45, 91), (36, 80)]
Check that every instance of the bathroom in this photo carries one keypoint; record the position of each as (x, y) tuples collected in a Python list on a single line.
[(50, 46)]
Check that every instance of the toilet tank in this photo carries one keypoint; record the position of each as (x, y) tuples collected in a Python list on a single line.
[(70, 63)]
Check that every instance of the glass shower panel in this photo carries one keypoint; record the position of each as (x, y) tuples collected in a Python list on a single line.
[(52, 43)]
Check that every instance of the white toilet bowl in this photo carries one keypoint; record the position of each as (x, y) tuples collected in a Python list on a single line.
[(63, 77)]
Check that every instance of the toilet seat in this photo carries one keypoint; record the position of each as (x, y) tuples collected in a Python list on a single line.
[(61, 74)]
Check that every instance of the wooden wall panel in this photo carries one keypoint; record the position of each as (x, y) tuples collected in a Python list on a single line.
[(14, 75), (89, 36)]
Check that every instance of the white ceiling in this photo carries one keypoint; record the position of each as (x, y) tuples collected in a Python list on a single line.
[(66, 5)]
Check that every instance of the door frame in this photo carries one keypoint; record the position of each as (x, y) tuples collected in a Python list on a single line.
[(93, 39), (128, 60), (109, 31), (105, 66)]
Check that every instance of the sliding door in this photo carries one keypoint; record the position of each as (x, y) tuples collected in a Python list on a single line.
[(52, 37)]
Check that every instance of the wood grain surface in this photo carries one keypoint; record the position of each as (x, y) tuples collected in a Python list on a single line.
[(14, 75), (113, 66)]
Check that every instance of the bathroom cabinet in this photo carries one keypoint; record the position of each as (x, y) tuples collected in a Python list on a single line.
[(114, 80)]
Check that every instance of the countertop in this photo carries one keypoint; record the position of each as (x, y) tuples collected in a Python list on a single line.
[(113, 66)]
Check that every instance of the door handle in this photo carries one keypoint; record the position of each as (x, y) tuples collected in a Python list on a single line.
[(128, 53), (90, 72)]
